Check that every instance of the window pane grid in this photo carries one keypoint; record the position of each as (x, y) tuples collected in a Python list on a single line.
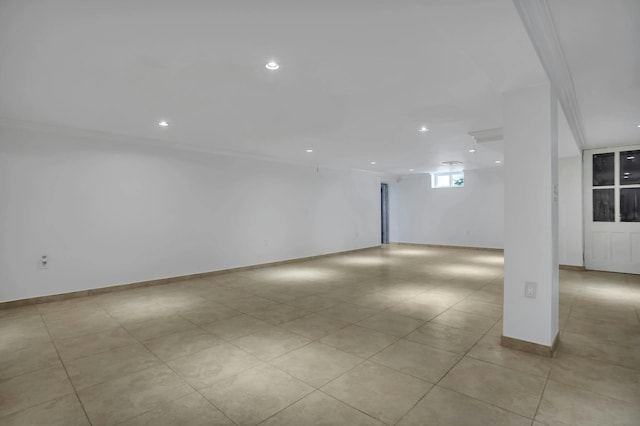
[(616, 186)]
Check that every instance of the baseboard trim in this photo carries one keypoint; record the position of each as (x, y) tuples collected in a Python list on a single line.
[(534, 348), (119, 287), (573, 268), (449, 246)]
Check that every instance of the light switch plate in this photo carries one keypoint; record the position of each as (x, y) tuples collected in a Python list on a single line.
[(530, 289)]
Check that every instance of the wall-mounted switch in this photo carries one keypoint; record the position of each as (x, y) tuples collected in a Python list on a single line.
[(530, 289), (44, 262)]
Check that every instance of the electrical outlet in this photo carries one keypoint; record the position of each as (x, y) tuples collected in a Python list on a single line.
[(530, 289)]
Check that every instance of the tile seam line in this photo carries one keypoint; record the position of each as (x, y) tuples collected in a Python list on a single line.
[(449, 370), (195, 390), (75, 391), (169, 367)]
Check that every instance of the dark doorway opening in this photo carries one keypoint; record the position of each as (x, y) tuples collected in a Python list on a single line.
[(384, 212)]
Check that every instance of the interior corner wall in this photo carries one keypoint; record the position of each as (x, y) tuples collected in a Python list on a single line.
[(471, 216), (394, 210), (110, 213), (570, 211)]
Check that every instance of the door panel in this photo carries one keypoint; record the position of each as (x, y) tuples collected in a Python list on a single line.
[(635, 247), (620, 249), (600, 247), (611, 207)]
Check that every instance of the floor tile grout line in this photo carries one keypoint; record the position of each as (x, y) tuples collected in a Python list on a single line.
[(449, 370), (507, 367), (544, 388), (289, 405), (600, 360), (451, 307), (24, 373), (590, 390), (184, 381), (488, 403), (368, 359), (351, 406), (269, 362), (147, 368), (105, 350), (371, 356), (73, 386), (117, 376)]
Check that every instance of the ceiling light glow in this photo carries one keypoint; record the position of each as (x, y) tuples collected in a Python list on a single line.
[(309, 150), (423, 129), (631, 157), (163, 123), (410, 170), (272, 65), (472, 150), (498, 161), (373, 162)]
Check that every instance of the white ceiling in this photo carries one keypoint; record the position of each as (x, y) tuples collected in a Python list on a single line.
[(357, 78), (601, 43)]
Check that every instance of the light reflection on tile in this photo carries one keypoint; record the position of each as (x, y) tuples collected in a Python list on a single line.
[(360, 326)]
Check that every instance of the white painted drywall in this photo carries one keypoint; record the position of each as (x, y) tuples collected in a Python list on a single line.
[(394, 208), (109, 213), (531, 215), (570, 211), (471, 216)]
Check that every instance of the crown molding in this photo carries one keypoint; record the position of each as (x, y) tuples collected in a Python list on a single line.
[(96, 136), (538, 21)]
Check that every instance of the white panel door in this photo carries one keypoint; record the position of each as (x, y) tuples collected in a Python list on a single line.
[(612, 209)]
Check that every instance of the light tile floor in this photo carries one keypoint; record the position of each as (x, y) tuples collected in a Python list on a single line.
[(398, 335)]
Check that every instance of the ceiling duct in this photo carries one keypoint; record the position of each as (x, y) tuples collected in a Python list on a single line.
[(488, 135)]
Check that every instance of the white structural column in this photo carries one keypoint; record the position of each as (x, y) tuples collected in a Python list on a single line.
[(531, 219)]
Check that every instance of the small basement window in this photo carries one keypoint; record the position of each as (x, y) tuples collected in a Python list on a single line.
[(447, 180)]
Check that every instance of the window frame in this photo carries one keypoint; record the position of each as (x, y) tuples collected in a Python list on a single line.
[(434, 179)]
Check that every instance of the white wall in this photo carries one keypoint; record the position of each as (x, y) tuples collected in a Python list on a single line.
[(570, 211), (109, 213), (531, 215), (471, 216)]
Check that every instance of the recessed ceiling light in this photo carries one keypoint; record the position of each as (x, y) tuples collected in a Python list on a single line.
[(452, 163), (472, 150), (638, 125), (272, 65), (163, 123), (626, 177), (423, 129), (373, 162), (631, 157), (627, 173), (309, 150), (498, 161)]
